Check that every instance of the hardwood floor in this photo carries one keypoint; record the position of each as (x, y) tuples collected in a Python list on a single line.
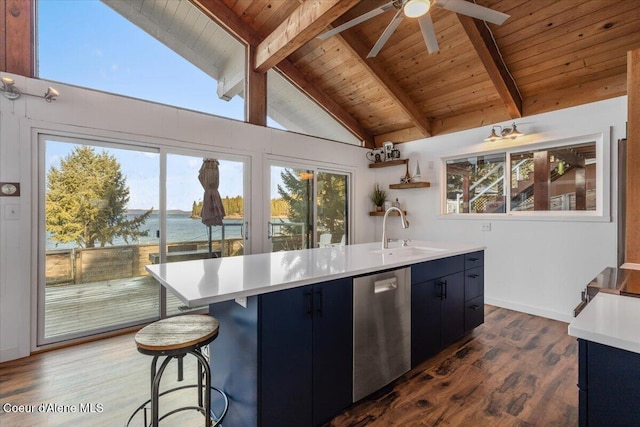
[(515, 370)]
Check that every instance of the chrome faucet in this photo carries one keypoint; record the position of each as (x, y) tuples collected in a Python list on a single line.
[(405, 224)]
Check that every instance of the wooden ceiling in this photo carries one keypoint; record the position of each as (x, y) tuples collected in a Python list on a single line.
[(550, 54)]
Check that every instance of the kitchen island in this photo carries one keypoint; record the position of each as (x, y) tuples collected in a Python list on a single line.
[(285, 352), (608, 332)]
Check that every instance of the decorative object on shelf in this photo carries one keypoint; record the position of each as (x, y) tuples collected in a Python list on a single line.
[(376, 155), (390, 153), (378, 197), (10, 91), (505, 132)]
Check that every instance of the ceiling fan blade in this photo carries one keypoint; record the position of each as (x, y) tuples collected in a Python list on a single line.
[(473, 10), (386, 34), (356, 21), (428, 33)]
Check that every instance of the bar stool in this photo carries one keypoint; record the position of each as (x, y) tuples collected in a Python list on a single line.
[(175, 337)]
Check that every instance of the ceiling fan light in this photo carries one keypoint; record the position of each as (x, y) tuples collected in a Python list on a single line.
[(416, 8)]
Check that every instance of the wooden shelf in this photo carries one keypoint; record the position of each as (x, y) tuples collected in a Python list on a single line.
[(381, 213), (389, 163), (409, 185)]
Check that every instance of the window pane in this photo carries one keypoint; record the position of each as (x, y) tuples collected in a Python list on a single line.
[(291, 208), (557, 179), (128, 48), (101, 217), (476, 184), (331, 206)]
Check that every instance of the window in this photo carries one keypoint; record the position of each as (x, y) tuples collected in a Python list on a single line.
[(476, 184), (563, 178), (129, 48)]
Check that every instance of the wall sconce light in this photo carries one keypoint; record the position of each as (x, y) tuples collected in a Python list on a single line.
[(10, 91), (9, 88), (504, 133)]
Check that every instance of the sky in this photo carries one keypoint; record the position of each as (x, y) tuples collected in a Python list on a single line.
[(86, 43)]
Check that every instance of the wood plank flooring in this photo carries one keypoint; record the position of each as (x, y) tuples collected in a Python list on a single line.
[(515, 370)]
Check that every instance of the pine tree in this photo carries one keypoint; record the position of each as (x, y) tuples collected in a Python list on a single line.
[(86, 201)]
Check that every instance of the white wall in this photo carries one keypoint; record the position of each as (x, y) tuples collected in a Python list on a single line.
[(534, 266), (542, 274), (89, 113)]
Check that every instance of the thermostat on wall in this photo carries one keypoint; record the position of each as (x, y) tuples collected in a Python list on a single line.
[(9, 188)]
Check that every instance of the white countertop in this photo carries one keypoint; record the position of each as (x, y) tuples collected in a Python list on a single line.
[(612, 320), (201, 282)]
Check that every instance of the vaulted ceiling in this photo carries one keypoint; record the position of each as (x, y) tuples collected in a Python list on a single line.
[(548, 55)]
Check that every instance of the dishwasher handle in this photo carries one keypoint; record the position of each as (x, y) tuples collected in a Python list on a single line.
[(385, 285)]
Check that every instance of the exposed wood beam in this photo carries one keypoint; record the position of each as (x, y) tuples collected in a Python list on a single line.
[(632, 229), (16, 32), (488, 53), (306, 22), (225, 17), (337, 112), (395, 92), (256, 87)]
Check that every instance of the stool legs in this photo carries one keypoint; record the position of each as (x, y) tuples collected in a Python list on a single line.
[(155, 388)]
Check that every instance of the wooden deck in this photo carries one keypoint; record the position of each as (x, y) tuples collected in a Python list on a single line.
[(93, 306)]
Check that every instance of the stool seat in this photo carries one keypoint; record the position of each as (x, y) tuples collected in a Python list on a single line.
[(180, 333), (175, 338)]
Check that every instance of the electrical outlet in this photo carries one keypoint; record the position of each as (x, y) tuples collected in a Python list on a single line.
[(486, 226)]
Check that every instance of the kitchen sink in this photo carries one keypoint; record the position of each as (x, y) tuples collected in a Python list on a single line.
[(408, 251)]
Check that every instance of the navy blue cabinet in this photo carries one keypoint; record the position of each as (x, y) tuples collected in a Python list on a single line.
[(447, 300), (609, 390), (473, 290), (305, 354)]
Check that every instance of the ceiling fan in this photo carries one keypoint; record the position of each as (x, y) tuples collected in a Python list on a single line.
[(419, 9)]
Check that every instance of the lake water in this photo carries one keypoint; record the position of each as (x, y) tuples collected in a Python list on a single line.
[(180, 228)]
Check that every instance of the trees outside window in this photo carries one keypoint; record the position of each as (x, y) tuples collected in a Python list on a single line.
[(87, 198)]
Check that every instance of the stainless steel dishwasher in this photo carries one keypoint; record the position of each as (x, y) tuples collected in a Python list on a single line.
[(381, 329)]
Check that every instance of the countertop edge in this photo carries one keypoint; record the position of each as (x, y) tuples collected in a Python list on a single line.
[(609, 319), (230, 296)]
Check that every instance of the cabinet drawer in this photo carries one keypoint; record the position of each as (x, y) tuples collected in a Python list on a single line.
[(473, 283), (436, 268), (473, 259), (474, 313)]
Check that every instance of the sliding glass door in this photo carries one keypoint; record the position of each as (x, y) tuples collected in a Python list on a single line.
[(99, 216), (107, 211), (308, 208)]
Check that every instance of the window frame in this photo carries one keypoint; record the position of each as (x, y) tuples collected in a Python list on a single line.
[(602, 213)]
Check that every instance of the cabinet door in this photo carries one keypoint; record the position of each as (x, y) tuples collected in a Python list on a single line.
[(332, 348), (285, 343), (425, 320), (452, 308)]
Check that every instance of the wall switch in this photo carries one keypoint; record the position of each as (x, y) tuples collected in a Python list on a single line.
[(241, 301), (486, 226), (12, 212)]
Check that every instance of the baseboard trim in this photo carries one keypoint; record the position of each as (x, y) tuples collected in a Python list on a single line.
[(554, 315)]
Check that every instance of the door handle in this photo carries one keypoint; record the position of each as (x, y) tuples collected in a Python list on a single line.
[(269, 230), (246, 230), (473, 276), (445, 289), (319, 302), (473, 259), (443, 292), (309, 296), (474, 307)]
